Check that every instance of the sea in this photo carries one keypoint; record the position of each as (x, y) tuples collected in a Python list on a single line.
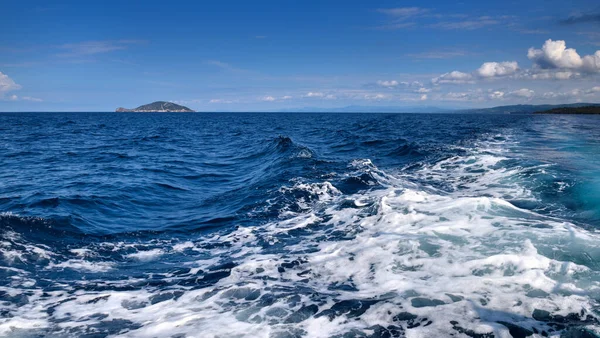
[(299, 225)]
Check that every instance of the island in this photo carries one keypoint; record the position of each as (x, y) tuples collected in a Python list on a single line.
[(591, 110), (158, 107)]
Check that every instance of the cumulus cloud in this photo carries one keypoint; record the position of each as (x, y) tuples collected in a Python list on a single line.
[(554, 61), (269, 98), (591, 63), (375, 96), (7, 84), (413, 84), (454, 77), (423, 97), (388, 84), (496, 69), (319, 95), (488, 70), (523, 92), (314, 94), (556, 55), (496, 95), (480, 95), (463, 96)]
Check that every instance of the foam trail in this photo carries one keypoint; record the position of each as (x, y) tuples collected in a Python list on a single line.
[(398, 259)]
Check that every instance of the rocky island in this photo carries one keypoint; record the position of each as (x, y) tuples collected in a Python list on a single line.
[(592, 110), (158, 107)]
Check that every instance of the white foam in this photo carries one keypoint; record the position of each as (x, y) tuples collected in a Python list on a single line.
[(464, 255), (82, 265), (146, 255)]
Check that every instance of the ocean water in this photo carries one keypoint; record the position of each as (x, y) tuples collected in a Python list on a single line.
[(299, 225)]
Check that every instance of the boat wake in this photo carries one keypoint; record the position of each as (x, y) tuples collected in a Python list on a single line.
[(445, 248)]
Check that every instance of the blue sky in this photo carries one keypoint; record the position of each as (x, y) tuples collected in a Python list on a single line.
[(270, 55)]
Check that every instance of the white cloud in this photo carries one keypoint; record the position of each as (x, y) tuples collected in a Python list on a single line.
[(495, 95), (268, 99), (488, 70), (377, 96), (220, 101), (219, 64), (286, 97), (7, 84), (225, 66), (96, 47), (479, 95), (572, 94), (454, 77), (389, 84), (591, 63), (423, 90), (469, 24), (523, 92), (24, 98), (460, 96), (553, 74), (555, 54), (497, 69), (423, 97), (319, 95), (554, 61), (403, 12), (414, 84)]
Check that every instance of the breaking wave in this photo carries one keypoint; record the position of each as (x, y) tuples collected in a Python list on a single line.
[(462, 239)]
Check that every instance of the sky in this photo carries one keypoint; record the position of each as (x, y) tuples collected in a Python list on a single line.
[(271, 55)]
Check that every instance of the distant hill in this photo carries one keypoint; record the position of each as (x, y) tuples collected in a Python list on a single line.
[(366, 109), (523, 108), (594, 110), (512, 109), (158, 107)]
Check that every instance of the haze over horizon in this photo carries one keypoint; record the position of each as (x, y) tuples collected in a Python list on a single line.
[(242, 56)]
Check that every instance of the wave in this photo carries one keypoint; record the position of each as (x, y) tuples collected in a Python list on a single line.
[(457, 244), (286, 146), (400, 260), (410, 149)]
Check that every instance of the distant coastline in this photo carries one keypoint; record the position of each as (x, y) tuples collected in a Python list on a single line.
[(587, 110)]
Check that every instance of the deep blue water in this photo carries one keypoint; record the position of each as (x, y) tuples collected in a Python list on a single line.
[(299, 225)]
